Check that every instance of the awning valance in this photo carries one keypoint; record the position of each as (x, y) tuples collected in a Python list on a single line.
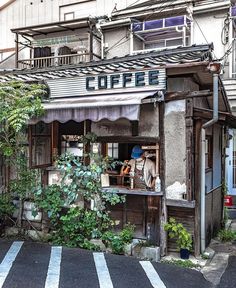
[(94, 108)]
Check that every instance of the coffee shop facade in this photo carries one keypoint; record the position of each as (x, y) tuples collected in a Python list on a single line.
[(158, 100)]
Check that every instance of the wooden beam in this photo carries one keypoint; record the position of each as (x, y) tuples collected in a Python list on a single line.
[(6, 4), (179, 95), (128, 139), (7, 50), (207, 114)]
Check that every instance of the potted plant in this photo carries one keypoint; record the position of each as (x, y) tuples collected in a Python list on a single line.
[(183, 237)]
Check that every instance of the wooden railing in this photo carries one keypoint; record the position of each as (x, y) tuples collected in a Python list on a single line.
[(52, 61)]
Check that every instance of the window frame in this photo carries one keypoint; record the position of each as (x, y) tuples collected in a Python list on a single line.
[(36, 135)]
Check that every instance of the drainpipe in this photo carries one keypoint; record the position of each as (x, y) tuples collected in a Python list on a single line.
[(203, 148), (98, 27)]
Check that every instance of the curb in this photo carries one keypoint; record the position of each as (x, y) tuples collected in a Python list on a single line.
[(213, 271)]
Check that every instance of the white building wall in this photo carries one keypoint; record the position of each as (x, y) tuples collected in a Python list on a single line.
[(205, 31), (22, 13)]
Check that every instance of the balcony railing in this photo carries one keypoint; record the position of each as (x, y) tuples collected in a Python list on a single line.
[(52, 61)]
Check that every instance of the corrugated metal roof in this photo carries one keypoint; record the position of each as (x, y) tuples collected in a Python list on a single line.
[(168, 57)]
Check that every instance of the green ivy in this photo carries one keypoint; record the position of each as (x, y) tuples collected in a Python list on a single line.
[(72, 225)]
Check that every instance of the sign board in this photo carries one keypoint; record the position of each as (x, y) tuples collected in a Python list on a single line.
[(109, 83)]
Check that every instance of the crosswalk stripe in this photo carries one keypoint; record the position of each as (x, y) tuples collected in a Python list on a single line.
[(152, 274), (102, 270), (8, 260), (53, 275)]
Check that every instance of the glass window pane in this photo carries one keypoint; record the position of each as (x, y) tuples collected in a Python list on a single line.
[(41, 152)]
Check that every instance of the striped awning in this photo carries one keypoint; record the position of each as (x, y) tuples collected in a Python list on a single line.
[(94, 108)]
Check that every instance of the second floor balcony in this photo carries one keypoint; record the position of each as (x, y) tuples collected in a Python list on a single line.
[(55, 44)]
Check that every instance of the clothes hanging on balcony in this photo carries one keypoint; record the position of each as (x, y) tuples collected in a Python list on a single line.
[(65, 50), (46, 52), (40, 52)]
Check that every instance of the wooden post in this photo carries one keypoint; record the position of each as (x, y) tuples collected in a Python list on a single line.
[(197, 184), (90, 45), (153, 220), (17, 51), (189, 149), (87, 129), (163, 210), (54, 140)]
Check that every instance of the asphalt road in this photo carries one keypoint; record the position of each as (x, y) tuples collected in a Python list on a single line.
[(37, 265), (228, 280)]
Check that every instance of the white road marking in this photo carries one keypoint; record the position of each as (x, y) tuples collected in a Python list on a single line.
[(53, 275), (152, 274), (8, 260), (102, 271)]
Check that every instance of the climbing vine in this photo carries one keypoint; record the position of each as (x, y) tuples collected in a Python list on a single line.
[(19, 102)]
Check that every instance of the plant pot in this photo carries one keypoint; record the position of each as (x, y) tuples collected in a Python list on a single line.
[(184, 253)]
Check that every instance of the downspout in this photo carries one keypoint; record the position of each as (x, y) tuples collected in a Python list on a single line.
[(98, 27), (203, 148)]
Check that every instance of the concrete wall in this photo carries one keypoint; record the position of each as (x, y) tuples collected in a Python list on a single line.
[(175, 148), (149, 121), (205, 27), (117, 42), (104, 127), (148, 124)]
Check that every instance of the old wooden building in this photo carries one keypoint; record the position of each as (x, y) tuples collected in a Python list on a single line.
[(172, 103)]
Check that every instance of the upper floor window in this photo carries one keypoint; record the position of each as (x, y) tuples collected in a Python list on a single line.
[(162, 33), (69, 16)]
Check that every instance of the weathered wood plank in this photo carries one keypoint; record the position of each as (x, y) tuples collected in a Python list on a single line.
[(163, 212), (180, 203), (197, 182)]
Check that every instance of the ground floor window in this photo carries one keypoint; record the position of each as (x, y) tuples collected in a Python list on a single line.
[(40, 145)]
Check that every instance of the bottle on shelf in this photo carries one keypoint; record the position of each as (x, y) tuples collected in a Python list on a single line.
[(158, 184)]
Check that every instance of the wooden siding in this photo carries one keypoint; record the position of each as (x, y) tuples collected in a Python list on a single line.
[(141, 211), (214, 212), (184, 216)]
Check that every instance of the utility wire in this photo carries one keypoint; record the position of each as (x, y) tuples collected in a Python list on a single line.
[(132, 4)]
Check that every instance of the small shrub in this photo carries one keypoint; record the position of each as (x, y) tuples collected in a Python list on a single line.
[(227, 235), (117, 241), (177, 230)]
